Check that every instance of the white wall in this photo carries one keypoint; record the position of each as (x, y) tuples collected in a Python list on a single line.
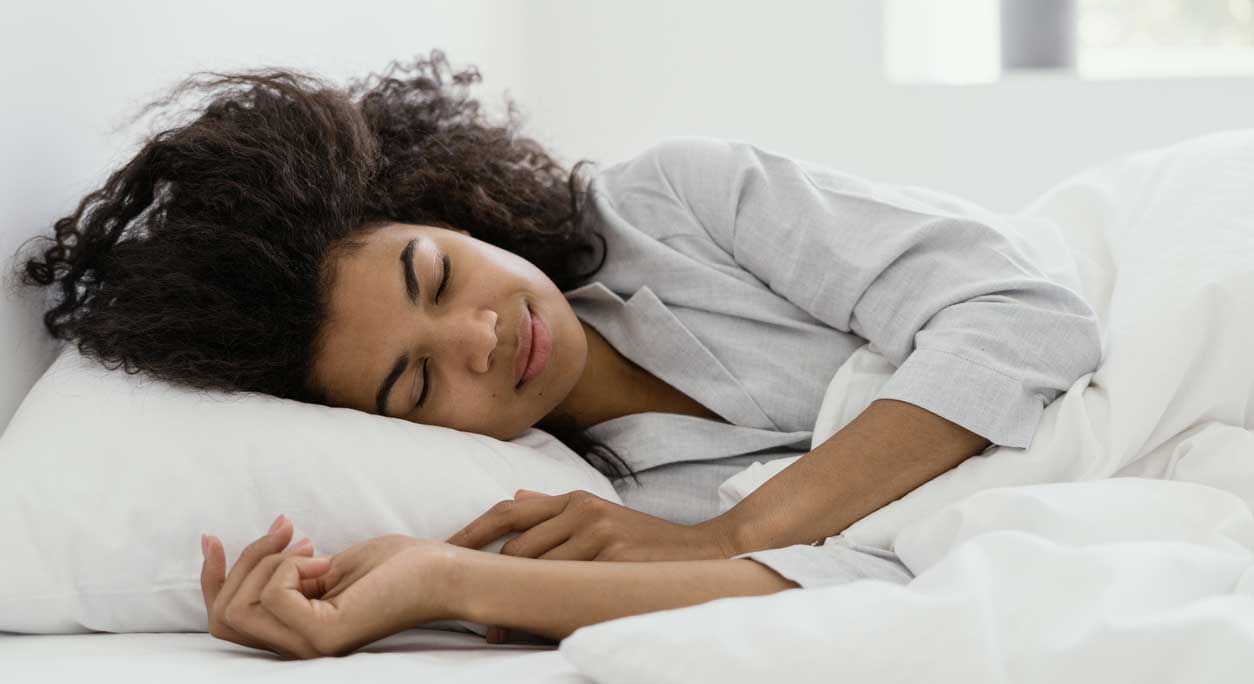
[(595, 80), (805, 78)]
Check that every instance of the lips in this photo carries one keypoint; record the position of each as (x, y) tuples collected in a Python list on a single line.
[(523, 347)]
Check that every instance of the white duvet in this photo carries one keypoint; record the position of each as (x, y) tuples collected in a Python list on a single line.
[(1118, 547)]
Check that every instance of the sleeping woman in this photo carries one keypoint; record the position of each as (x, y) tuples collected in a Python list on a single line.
[(672, 319)]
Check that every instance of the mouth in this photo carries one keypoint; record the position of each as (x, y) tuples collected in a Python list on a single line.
[(523, 348), (536, 350)]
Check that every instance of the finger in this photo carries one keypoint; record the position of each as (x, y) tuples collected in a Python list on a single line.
[(247, 614), (314, 587), (280, 533), (212, 578), (507, 516), (540, 538), (527, 494), (251, 587), (252, 554), (316, 620), (572, 549), (317, 583), (212, 573)]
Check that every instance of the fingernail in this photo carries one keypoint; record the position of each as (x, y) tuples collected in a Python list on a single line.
[(300, 544), (278, 522)]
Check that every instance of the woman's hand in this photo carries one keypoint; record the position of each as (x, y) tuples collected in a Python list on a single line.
[(579, 525), (304, 607)]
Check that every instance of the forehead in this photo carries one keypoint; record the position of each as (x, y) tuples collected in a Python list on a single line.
[(366, 300)]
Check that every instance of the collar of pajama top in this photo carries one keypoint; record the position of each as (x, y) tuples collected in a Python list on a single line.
[(646, 332)]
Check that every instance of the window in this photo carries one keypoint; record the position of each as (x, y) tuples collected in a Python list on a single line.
[(1122, 38), (974, 41)]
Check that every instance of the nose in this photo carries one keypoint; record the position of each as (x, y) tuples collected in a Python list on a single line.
[(477, 337)]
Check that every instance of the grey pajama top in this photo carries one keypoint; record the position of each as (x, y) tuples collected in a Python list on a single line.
[(745, 278)]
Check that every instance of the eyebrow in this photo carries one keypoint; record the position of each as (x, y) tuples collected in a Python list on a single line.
[(402, 361)]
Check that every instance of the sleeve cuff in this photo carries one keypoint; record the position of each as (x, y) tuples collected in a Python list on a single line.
[(989, 403)]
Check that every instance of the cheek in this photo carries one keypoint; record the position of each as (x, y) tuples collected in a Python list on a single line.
[(482, 414)]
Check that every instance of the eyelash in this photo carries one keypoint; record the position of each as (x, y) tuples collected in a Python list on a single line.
[(438, 292), (444, 282)]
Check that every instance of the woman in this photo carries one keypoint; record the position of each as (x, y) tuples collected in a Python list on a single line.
[(385, 248)]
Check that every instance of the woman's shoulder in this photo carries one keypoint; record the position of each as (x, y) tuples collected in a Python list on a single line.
[(676, 155)]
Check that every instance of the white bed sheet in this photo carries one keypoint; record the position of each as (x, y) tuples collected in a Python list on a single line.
[(1117, 547), (416, 655)]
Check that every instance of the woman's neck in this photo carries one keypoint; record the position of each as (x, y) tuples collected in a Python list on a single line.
[(608, 388)]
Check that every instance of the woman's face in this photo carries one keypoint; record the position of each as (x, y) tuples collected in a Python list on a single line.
[(469, 340)]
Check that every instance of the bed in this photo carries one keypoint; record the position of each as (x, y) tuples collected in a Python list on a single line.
[(1118, 547), (416, 655)]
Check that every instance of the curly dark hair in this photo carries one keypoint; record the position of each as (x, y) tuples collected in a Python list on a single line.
[(205, 260)]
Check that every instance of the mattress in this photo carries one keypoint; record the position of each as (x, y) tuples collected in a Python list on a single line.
[(416, 655)]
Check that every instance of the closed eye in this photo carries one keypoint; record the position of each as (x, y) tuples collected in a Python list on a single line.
[(425, 386), (443, 283)]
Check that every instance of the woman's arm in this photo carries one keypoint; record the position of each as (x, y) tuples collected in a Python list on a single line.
[(885, 452), (552, 598), (888, 450), (947, 292)]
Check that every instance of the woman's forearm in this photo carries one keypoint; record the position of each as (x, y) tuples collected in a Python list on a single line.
[(885, 452), (888, 450), (552, 598)]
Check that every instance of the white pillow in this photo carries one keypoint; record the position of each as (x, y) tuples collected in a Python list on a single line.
[(110, 479)]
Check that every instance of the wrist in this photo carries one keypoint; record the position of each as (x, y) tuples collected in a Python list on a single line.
[(443, 580), (724, 535), (484, 587)]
